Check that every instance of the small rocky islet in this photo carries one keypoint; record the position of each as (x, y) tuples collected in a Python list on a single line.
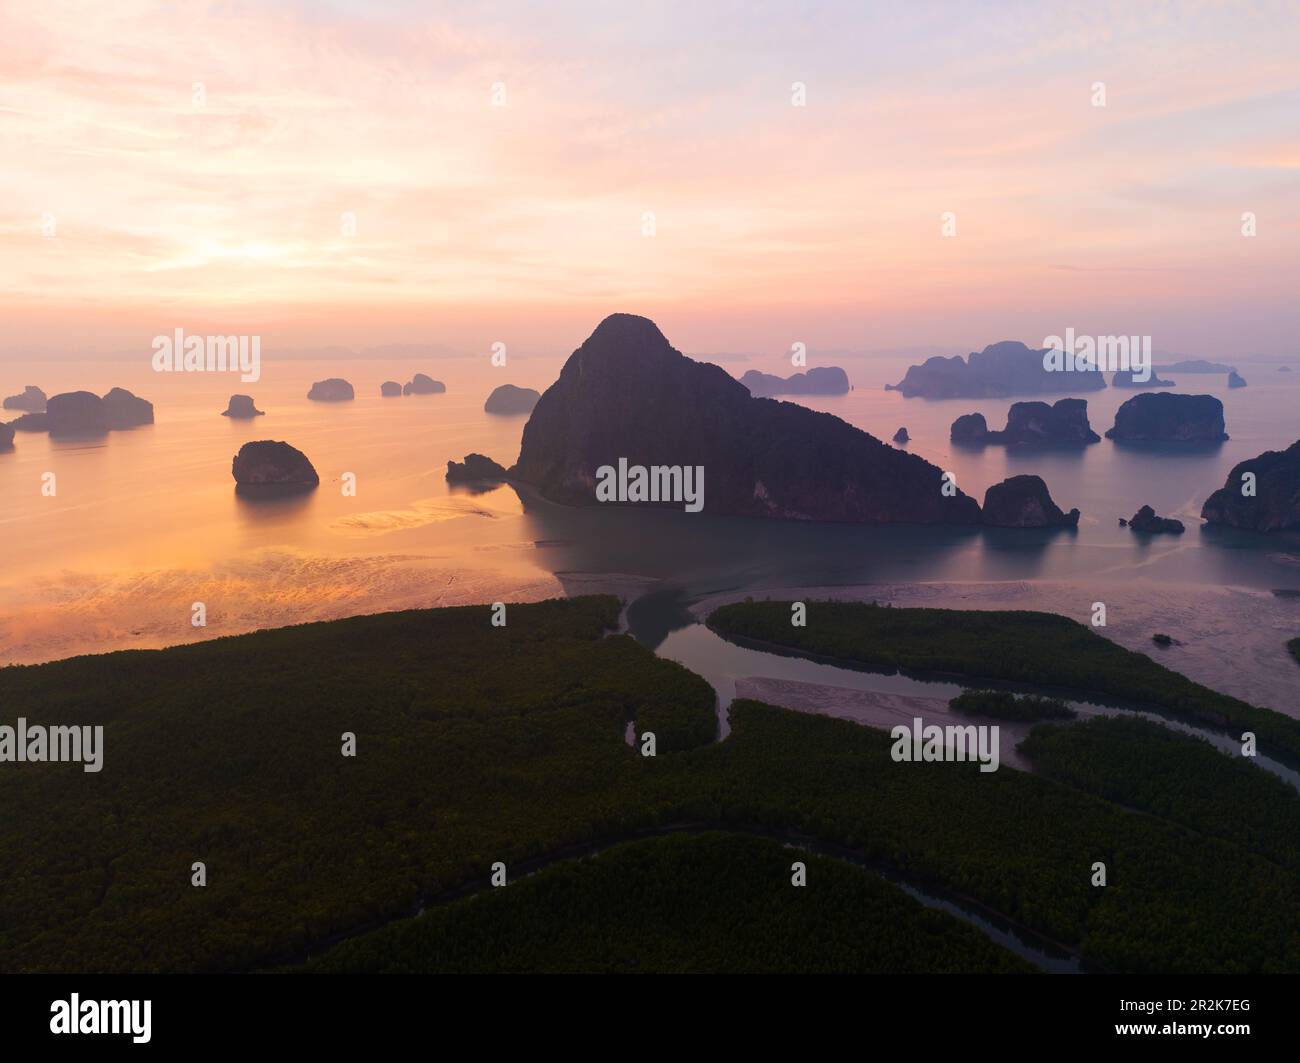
[(268, 466), (1123, 378), (1168, 418), (1146, 522), (241, 408), (335, 389), (1064, 423), (1024, 502), (420, 384), (509, 400), (475, 468)]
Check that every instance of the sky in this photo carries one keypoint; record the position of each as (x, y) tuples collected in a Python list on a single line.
[(361, 173)]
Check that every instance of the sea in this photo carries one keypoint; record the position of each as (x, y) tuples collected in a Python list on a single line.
[(136, 527)]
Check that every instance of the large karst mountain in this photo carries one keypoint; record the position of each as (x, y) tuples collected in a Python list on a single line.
[(627, 393)]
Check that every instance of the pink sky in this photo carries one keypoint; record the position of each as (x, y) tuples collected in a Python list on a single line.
[(773, 223)]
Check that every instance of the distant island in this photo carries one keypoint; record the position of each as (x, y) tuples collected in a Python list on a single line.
[(1196, 365), (332, 390), (999, 371), (1261, 494), (508, 399), (1145, 522), (32, 400), (1167, 418), (1236, 380), (83, 413), (124, 410), (1031, 424), (241, 408), (475, 467), (1123, 378), (424, 385), (823, 380)]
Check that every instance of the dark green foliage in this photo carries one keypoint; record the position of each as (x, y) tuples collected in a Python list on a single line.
[(478, 744), (696, 903), (474, 743), (1021, 647), (1003, 705), (1179, 777), (1022, 844)]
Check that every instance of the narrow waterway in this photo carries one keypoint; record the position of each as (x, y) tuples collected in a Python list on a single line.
[(872, 698)]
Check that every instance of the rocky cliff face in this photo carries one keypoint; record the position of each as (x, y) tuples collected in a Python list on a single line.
[(1275, 503), (823, 380), (332, 390), (271, 464), (1024, 502), (6, 437), (1169, 418), (626, 393), (998, 371), (32, 400), (1031, 424)]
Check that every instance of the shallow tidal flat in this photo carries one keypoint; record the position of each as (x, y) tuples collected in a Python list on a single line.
[(1233, 638)]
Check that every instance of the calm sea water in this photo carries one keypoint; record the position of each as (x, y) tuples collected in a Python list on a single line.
[(146, 522)]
